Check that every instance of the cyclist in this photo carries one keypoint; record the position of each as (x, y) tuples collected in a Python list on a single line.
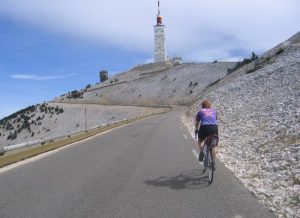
[(207, 117)]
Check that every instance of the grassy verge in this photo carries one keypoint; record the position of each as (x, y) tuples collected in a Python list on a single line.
[(22, 154)]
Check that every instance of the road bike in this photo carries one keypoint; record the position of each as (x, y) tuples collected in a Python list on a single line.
[(208, 161)]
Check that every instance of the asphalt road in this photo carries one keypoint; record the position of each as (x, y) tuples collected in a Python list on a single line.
[(146, 169)]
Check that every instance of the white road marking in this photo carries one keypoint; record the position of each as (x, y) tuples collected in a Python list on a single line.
[(196, 153), (197, 156), (180, 127), (185, 137)]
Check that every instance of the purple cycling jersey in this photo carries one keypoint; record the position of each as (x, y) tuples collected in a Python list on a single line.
[(207, 116)]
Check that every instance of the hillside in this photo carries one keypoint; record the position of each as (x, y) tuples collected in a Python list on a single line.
[(47, 121), (147, 85), (259, 117), (154, 84)]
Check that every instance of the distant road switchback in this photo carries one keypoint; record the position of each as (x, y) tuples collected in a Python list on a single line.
[(146, 169)]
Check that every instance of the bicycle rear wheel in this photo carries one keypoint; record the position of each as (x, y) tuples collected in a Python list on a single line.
[(210, 167)]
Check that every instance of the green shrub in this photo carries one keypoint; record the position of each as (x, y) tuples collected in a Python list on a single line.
[(279, 51), (242, 63), (88, 86), (75, 94), (43, 108), (9, 126), (12, 136), (56, 109), (251, 71), (25, 125)]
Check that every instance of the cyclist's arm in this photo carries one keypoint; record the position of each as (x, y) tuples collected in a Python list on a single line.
[(196, 124), (197, 121)]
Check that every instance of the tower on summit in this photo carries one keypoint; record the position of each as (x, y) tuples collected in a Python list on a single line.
[(160, 51)]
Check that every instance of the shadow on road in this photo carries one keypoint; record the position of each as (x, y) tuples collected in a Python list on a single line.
[(192, 179)]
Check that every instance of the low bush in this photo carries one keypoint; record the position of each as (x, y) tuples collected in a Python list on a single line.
[(242, 63), (75, 94), (87, 87), (12, 136), (281, 50), (251, 71)]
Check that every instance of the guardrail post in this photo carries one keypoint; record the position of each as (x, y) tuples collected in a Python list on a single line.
[(1, 150)]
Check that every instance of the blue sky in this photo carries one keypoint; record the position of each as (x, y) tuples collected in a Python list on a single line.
[(51, 47)]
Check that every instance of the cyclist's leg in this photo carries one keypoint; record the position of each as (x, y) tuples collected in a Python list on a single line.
[(200, 146), (202, 134), (201, 137)]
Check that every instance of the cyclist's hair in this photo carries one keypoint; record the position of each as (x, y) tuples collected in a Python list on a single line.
[(206, 104)]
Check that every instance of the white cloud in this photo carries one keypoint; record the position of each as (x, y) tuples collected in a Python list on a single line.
[(213, 28), (39, 78)]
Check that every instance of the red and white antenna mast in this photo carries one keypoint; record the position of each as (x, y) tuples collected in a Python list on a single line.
[(160, 51), (159, 17)]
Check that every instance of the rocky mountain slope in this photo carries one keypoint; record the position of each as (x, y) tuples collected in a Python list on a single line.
[(51, 120), (154, 84), (259, 117), (146, 85)]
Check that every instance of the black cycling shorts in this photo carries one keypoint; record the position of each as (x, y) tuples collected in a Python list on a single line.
[(206, 130)]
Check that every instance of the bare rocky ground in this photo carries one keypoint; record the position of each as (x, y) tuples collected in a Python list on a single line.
[(259, 119)]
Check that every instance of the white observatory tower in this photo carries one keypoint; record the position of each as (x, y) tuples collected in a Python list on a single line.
[(160, 51)]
